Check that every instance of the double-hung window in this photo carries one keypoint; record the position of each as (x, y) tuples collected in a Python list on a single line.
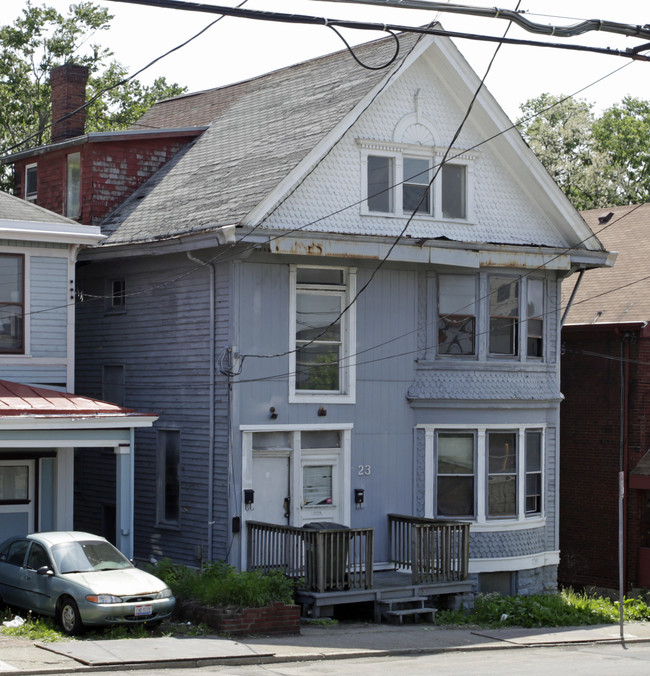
[(504, 316), (454, 191), (533, 472), (502, 474), (456, 314), (322, 332), (31, 182), (535, 317), (380, 183), (455, 474), (416, 192), (12, 303), (73, 185)]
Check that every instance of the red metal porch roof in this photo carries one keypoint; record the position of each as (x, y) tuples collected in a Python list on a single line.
[(18, 399)]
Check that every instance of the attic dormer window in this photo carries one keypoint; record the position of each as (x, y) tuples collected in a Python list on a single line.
[(397, 181)]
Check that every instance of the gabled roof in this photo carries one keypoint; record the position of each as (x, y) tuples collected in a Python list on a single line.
[(620, 294), (260, 131), (271, 134), (17, 399)]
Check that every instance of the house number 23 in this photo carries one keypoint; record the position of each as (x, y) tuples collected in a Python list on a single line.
[(364, 470)]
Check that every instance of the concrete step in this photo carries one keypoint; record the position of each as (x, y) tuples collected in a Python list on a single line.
[(404, 600), (399, 615)]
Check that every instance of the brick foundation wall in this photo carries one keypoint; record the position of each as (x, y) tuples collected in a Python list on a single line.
[(275, 619)]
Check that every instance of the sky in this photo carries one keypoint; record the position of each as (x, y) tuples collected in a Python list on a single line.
[(236, 49)]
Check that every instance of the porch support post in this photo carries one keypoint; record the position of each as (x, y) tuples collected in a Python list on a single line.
[(64, 479), (124, 498)]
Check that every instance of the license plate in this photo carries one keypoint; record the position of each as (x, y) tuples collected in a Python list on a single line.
[(143, 610)]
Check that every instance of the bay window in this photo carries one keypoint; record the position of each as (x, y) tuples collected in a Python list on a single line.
[(12, 303), (535, 317), (487, 473)]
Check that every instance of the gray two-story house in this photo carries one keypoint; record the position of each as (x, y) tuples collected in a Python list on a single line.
[(340, 310)]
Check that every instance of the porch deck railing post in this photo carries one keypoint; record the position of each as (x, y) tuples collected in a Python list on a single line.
[(327, 559), (435, 550)]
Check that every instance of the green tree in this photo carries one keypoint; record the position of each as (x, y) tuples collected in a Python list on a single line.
[(596, 161), (622, 133), (42, 39)]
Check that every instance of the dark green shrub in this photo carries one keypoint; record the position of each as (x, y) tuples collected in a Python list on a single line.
[(220, 584)]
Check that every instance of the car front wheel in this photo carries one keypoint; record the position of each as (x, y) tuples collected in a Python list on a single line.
[(68, 617)]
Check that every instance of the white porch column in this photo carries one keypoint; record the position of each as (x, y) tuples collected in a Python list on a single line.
[(64, 491), (124, 498)]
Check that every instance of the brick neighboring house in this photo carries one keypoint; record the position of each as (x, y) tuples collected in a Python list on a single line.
[(605, 415), (300, 377)]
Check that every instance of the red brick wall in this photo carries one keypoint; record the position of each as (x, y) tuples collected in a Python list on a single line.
[(110, 172), (590, 456), (276, 619)]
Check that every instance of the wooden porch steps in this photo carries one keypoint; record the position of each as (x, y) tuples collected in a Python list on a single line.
[(396, 609)]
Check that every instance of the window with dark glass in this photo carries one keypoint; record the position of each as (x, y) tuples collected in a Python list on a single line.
[(320, 294), (502, 474), (416, 193), (454, 191), (11, 303), (504, 316), (73, 185), (31, 182), (118, 293), (168, 479), (535, 316), (533, 472), (455, 474), (380, 180), (456, 314)]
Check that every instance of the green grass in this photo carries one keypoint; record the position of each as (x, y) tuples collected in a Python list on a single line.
[(564, 609)]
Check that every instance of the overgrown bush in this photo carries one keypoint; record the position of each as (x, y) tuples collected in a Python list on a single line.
[(565, 609), (220, 584)]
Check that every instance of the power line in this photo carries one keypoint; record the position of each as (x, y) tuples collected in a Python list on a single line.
[(371, 26)]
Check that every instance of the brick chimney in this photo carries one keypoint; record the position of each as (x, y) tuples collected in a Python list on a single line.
[(68, 93)]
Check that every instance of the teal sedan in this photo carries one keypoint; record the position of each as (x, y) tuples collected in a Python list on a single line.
[(79, 579)]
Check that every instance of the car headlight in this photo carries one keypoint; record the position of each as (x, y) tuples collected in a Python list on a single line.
[(164, 594), (103, 598)]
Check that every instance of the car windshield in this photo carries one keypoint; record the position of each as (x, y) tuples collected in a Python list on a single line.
[(83, 557)]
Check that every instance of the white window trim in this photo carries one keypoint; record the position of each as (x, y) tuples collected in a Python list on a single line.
[(347, 394), (481, 476), (31, 198), (434, 154), (26, 352)]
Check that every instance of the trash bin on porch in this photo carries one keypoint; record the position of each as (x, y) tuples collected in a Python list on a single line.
[(327, 547)]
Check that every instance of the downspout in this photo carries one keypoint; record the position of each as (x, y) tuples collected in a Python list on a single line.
[(212, 375), (573, 295)]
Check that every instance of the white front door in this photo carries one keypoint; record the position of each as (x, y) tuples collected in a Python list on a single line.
[(271, 483), (17, 498)]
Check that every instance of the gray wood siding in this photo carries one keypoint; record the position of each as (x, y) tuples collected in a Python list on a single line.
[(35, 375), (162, 340), (48, 306)]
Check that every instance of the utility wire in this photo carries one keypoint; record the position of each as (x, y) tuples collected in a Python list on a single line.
[(360, 25)]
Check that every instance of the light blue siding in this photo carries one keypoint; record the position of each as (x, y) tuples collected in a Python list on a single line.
[(48, 306)]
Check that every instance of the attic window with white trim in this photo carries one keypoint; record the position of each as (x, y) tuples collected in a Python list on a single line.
[(396, 181), (31, 182)]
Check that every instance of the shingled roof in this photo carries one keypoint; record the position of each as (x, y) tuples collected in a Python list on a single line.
[(622, 293), (16, 209), (260, 130)]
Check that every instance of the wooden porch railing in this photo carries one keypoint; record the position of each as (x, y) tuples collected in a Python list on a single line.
[(435, 551), (328, 560)]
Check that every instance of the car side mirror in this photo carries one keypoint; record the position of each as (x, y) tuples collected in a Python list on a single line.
[(45, 570)]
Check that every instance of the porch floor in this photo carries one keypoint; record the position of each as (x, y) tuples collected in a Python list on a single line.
[(387, 584)]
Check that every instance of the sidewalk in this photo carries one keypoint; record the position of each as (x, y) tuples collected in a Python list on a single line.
[(315, 642)]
